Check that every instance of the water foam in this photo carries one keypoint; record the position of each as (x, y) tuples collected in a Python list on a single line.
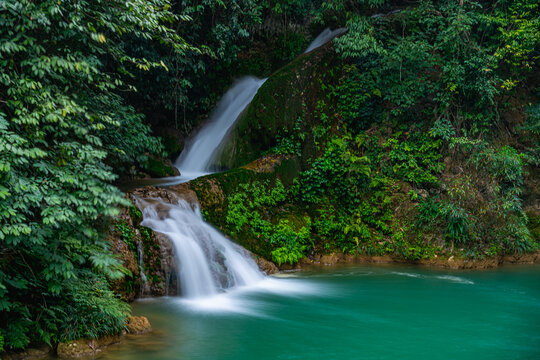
[(456, 279)]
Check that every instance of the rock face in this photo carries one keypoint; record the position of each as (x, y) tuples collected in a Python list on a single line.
[(148, 256), (42, 352), (317, 260), (264, 265), (214, 192), (159, 255), (286, 103)]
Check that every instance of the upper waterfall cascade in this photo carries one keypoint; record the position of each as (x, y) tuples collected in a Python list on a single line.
[(196, 158), (325, 36)]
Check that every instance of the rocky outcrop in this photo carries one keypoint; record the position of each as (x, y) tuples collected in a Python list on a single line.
[(42, 352), (169, 195), (452, 262), (147, 255), (264, 265), (287, 103)]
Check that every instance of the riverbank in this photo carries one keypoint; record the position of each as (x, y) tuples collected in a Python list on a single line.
[(452, 262)]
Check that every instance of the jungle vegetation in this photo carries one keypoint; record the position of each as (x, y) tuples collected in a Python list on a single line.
[(437, 100)]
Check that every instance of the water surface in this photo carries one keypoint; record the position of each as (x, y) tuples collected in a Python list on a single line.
[(362, 312)]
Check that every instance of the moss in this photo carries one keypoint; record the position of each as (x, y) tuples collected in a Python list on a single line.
[(157, 168), (172, 145), (135, 214), (288, 95), (126, 233), (214, 192)]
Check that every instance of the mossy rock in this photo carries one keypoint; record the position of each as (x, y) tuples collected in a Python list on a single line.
[(214, 191), (286, 103)]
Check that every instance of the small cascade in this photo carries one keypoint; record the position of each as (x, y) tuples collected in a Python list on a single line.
[(145, 287), (196, 159), (325, 36), (208, 262)]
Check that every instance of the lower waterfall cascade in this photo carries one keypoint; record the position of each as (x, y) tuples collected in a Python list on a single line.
[(208, 262)]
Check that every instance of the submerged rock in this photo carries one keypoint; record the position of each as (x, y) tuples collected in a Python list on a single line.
[(138, 325), (90, 347), (42, 352)]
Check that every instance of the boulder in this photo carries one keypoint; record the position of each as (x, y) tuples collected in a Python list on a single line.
[(42, 352)]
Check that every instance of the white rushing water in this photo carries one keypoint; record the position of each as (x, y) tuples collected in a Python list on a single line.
[(325, 36), (208, 262), (196, 159)]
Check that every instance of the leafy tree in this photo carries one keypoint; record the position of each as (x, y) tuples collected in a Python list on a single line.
[(64, 126)]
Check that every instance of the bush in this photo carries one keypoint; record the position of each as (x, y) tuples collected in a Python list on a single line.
[(91, 309)]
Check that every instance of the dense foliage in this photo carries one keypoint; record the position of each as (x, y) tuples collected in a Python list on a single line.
[(64, 127), (237, 38)]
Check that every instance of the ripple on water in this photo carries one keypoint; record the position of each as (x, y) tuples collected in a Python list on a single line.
[(412, 275), (451, 278), (456, 279)]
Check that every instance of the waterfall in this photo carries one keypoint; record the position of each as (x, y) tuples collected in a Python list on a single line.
[(208, 262), (325, 36), (196, 158)]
